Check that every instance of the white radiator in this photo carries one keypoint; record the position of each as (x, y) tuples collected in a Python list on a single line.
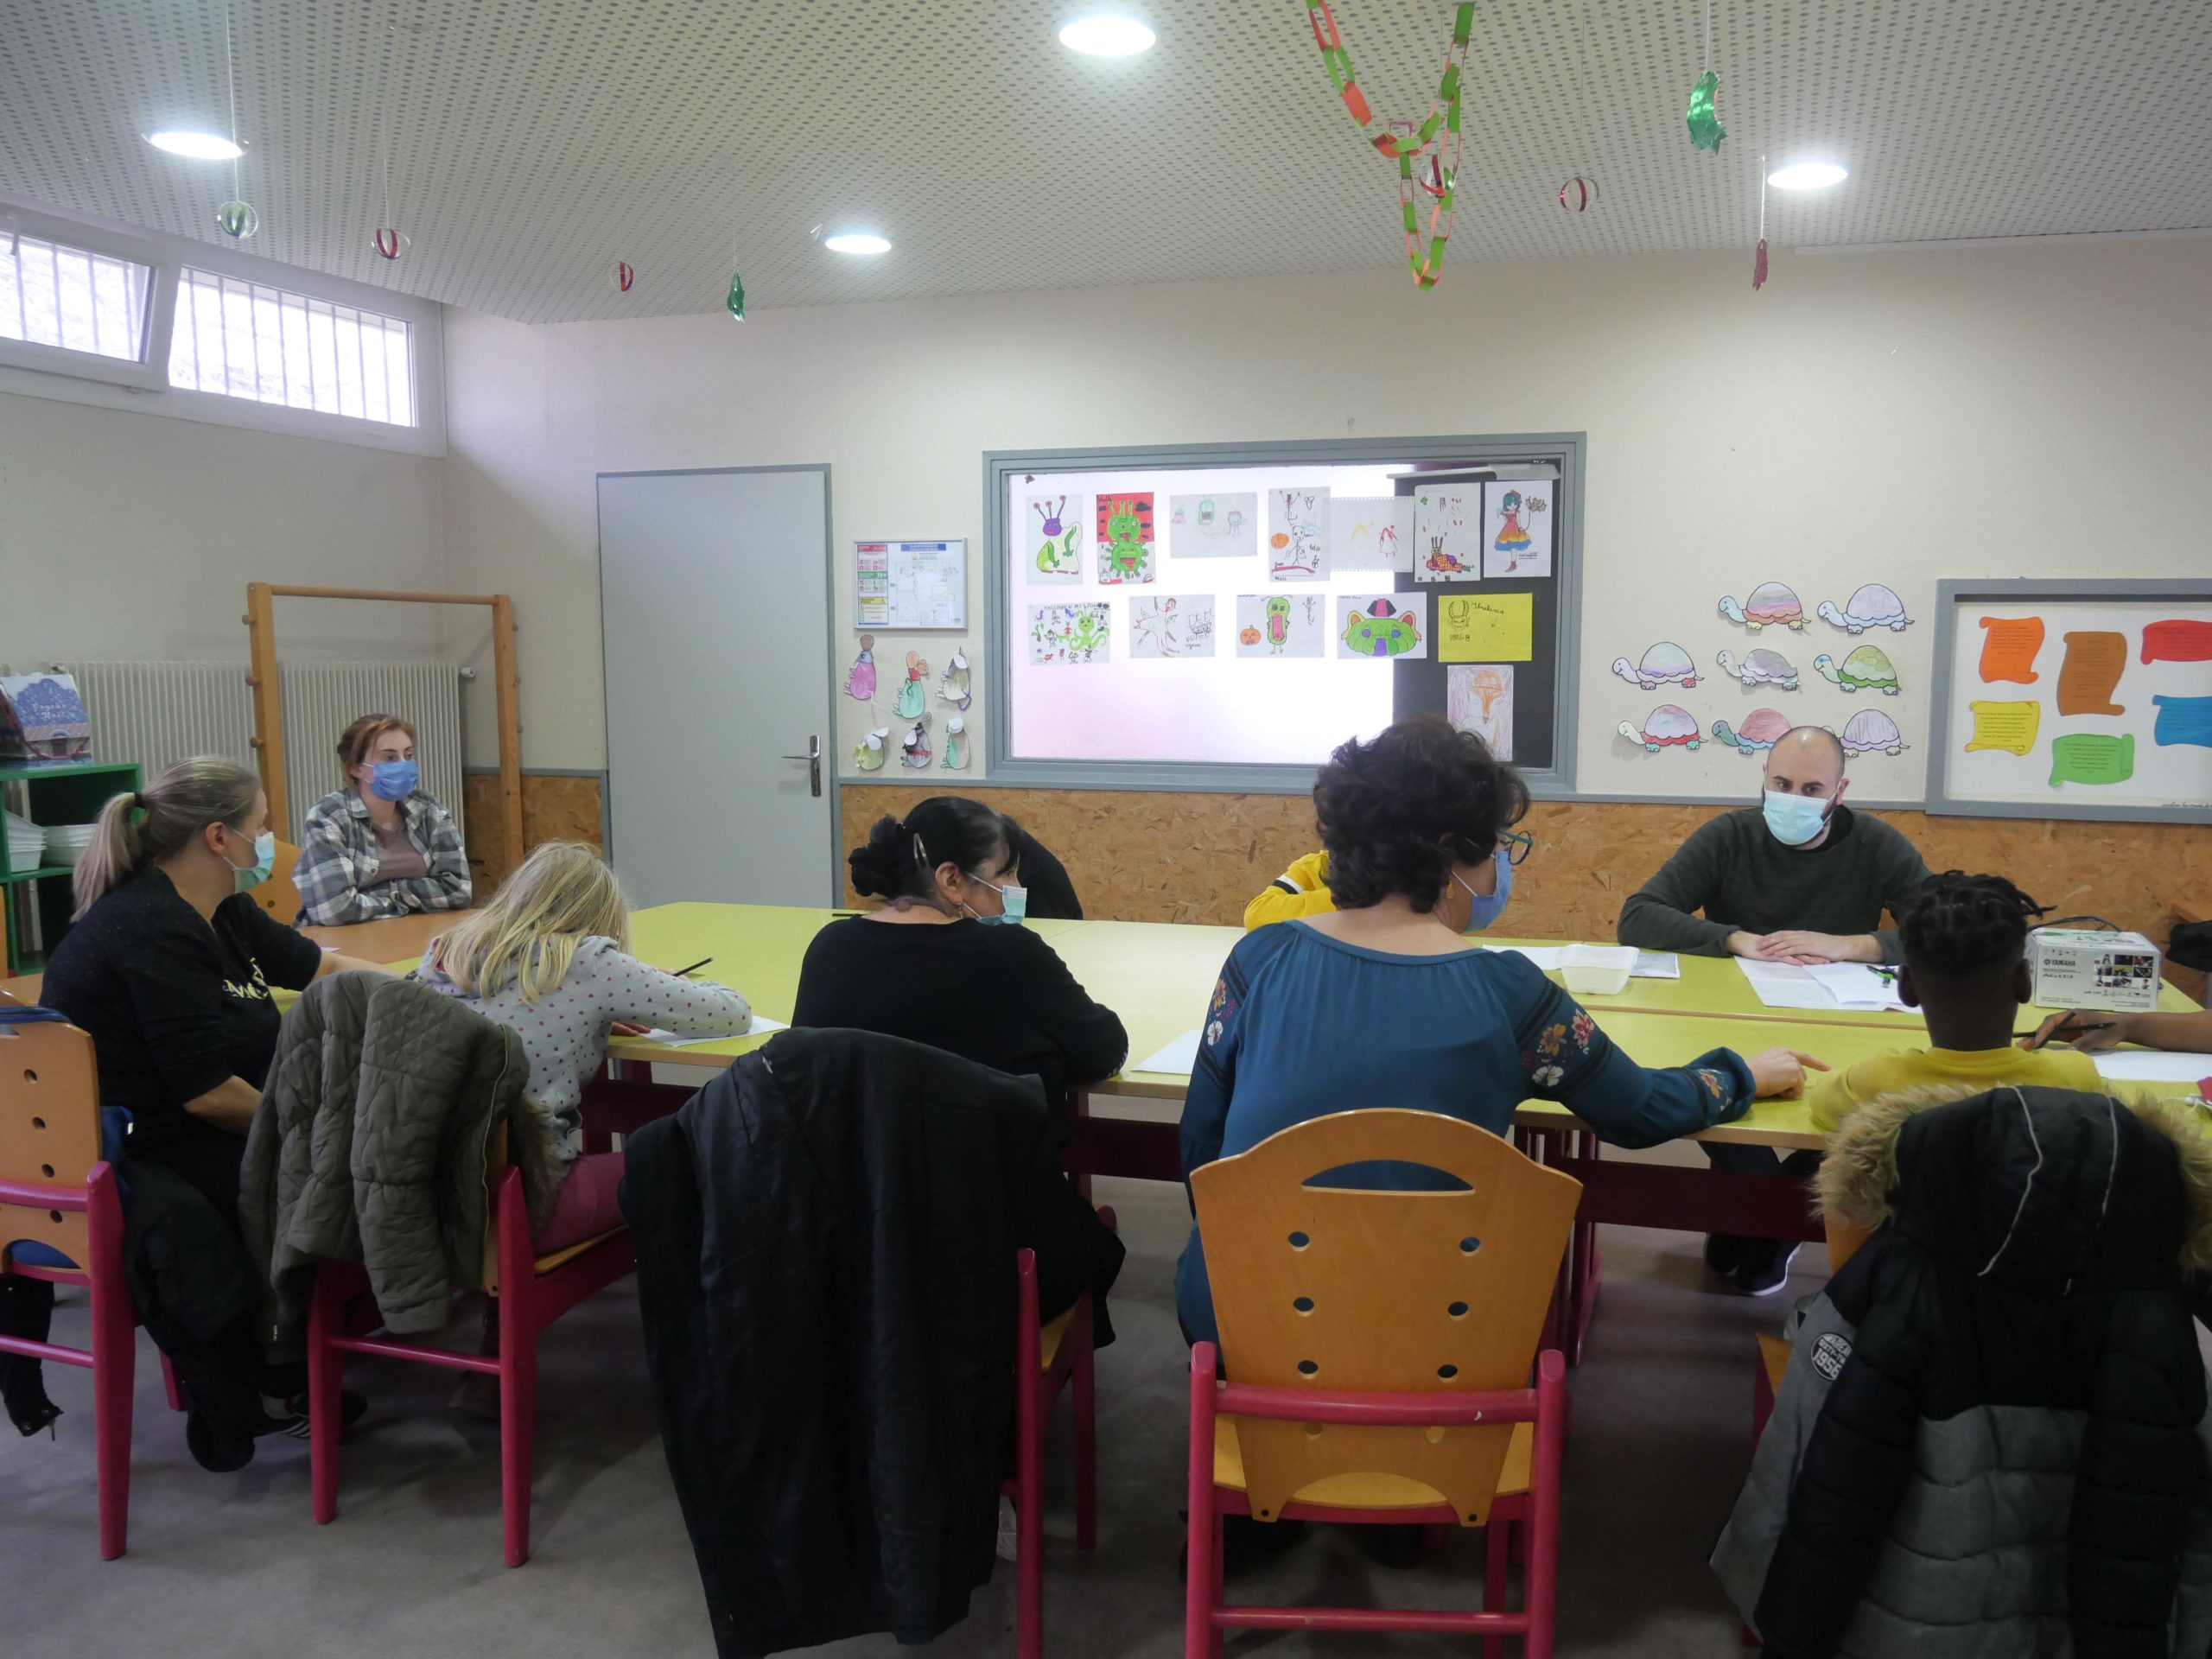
[(158, 713)]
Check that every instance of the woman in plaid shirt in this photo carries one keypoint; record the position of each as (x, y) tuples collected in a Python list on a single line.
[(380, 846)]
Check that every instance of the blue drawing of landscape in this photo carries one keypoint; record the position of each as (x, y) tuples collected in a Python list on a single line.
[(2184, 719)]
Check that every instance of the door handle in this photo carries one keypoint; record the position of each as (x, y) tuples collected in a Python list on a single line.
[(813, 759)]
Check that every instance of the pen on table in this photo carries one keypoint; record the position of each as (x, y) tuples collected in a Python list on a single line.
[(681, 972), (2063, 1030)]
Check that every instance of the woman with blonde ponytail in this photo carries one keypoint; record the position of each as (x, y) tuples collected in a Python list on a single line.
[(169, 968)]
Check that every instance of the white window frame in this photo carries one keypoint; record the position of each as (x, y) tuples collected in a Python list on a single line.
[(75, 376)]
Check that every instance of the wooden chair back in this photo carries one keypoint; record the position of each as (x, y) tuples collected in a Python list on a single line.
[(278, 895), (1348, 1290), (49, 1130)]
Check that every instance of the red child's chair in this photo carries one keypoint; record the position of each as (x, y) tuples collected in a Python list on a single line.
[(1378, 1348), (1048, 1358), (62, 1221), (532, 1292)]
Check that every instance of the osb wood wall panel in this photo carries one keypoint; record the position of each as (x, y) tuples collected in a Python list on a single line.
[(1165, 857), (553, 809)]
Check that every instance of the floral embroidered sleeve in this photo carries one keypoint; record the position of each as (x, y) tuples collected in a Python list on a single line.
[(1213, 1080), (1566, 1058)]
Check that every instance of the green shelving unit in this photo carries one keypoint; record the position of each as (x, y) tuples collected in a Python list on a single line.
[(37, 902)]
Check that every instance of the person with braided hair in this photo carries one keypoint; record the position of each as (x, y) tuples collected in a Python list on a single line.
[(1965, 968)]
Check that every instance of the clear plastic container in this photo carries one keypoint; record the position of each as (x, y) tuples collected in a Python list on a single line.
[(1597, 970)]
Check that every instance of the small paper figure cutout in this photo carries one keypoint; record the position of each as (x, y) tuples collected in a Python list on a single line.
[(867, 753), (1125, 538), (1055, 532), (1447, 534), (2182, 720), (1665, 663), (1761, 730), (1170, 626), (1224, 524), (2177, 640), (1517, 527), (1486, 628), (1868, 666), (913, 695), (2093, 664), (1386, 627), (1872, 606), (1772, 605), (1479, 698), (2092, 758), (1069, 633), (958, 688), (2009, 644), (955, 745), (1298, 535), (2008, 725), (914, 747), (1665, 726), (860, 679), (1281, 625), (1760, 667), (1870, 730)]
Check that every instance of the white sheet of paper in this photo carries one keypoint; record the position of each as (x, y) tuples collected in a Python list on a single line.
[(1784, 985), (1657, 964), (1546, 957), (1854, 985), (761, 1026), (1179, 1059), (2149, 1065)]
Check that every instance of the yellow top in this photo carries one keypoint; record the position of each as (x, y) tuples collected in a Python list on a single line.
[(1835, 1097), (1301, 890)]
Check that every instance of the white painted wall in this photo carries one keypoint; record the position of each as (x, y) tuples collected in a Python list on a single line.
[(124, 535), (1894, 417)]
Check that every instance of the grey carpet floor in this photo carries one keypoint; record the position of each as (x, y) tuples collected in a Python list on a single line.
[(232, 1568)]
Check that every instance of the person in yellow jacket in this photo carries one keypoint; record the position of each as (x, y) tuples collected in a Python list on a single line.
[(1301, 890)]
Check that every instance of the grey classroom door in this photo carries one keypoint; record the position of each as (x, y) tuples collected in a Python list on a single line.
[(714, 596)]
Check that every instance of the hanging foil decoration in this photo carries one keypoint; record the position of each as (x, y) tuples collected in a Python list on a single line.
[(1758, 258), (736, 301), (1705, 130), (622, 276), (390, 244), (1577, 195), (237, 219)]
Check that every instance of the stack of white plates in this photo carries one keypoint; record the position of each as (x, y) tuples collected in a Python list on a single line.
[(65, 842), (26, 841)]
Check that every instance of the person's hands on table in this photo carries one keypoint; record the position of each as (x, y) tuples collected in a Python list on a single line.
[(2091, 1032), (1802, 947), (624, 1028), (1777, 1071)]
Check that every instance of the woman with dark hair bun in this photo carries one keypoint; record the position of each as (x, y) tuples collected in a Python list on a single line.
[(936, 962), (1382, 1002)]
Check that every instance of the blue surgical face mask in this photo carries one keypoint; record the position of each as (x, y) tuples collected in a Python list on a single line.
[(1016, 900), (1795, 819), (264, 861), (1487, 907), (393, 780)]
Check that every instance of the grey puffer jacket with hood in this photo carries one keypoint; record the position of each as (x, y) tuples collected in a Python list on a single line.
[(1992, 1440), (371, 1144)]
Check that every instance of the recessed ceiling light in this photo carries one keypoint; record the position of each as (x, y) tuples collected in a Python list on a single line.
[(855, 242), (198, 146), (1107, 37), (1808, 175)]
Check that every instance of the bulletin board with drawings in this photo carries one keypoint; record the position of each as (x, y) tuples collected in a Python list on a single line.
[(1219, 618), (2073, 699)]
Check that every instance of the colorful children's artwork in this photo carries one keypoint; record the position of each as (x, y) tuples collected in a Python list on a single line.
[(1761, 730), (2008, 725), (2094, 663), (1871, 606), (958, 688), (914, 747), (1174, 625), (1447, 533), (1061, 634), (1517, 526), (1382, 627), (913, 695), (1772, 605), (1479, 698), (1870, 731), (1665, 663), (860, 679), (2092, 758), (1868, 666), (1371, 532), (1665, 727), (2009, 646), (1759, 667), (2177, 640), (1298, 535), (1056, 534), (2182, 720), (1222, 525), (868, 752), (1486, 627), (1282, 625), (1124, 541), (956, 744)]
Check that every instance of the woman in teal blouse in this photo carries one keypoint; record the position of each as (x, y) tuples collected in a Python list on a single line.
[(1385, 1003)]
